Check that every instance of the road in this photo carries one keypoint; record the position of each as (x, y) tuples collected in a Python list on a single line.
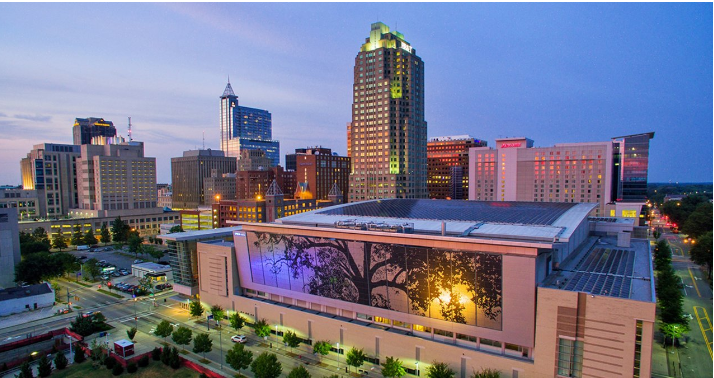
[(696, 355)]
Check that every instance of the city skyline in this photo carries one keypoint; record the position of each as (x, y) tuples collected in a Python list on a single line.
[(492, 70)]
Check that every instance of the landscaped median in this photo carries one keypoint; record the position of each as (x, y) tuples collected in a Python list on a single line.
[(155, 370)]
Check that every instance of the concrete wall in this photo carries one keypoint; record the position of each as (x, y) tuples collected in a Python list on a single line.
[(9, 246), (14, 306)]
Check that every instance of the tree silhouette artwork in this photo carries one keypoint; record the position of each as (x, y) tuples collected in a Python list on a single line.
[(450, 285)]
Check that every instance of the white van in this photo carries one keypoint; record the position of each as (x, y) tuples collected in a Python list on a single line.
[(82, 247)]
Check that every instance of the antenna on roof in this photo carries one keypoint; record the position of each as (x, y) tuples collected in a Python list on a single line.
[(229, 79), (204, 137), (130, 130)]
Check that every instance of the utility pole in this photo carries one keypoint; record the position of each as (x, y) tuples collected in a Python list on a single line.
[(220, 343)]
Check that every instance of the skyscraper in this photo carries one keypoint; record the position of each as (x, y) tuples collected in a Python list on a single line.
[(387, 135), (92, 130), (448, 166), (246, 128), (189, 171)]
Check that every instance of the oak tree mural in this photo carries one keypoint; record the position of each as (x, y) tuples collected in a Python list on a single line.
[(451, 285)]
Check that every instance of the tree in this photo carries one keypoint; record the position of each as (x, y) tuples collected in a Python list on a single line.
[(239, 358), (25, 371), (662, 255), (79, 356), (104, 234), (202, 344), (701, 252), (89, 238), (291, 339), (355, 357), (237, 321), (174, 360), (44, 366), (64, 262), (486, 373), (58, 241), (120, 230), (91, 267), (699, 221), (218, 313), (61, 361), (77, 237), (176, 228), (196, 308), (439, 370), (153, 252), (299, 372), (130, 333), (40, 235), (656, 234), (166, 355), (182, 336), (392, 368), (673, 331), (261, 327), (39, 267), (669, 296), (135, 241), (266, 365), (321, 348), (117, 369), (164, 329)]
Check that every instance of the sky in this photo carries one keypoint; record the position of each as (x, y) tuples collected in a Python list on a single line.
[(553, 72)]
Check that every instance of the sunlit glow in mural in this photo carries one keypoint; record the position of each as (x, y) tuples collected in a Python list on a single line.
[(461, 287)]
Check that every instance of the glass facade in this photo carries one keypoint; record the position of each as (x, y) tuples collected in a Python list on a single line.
[(631, 163), (456, 286)]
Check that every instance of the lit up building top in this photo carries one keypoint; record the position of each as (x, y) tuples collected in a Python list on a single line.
[(92, 130), (381, 37), (246, 128)]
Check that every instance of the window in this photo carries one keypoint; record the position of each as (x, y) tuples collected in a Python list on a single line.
[(638, 349), (570, 358)]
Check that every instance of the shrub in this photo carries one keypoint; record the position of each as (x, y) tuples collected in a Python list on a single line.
[(156, 354), (118, 369), (131, 368), (174, 360), (79, 356), (60, 361), (166, 355), (110, 362), (4, 366), (144, 361)]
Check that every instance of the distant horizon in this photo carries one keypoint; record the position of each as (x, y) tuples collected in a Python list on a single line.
[(552, 72)]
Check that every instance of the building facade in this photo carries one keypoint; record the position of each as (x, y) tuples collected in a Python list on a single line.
[(92, 131), (387, 135), (244, 128), (216, 188), (26, 202), (51, 170), (9, 246), (570, 172), (189, 172), (253, 184), (116, 177), (525, 288), (254, 160), (319, 170), (448, 166)]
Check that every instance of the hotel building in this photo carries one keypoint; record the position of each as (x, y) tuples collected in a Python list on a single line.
[(50, 169), (448, 166), (532, 289), (244, 128), (387, 135), (611, 174)]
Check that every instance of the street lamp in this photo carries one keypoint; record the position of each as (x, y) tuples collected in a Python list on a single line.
[(417, 368), (338, 355)]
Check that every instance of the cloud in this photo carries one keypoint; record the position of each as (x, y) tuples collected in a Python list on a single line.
[(3, 114), (36, 117)]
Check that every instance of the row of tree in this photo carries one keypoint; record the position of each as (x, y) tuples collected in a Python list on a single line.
[(694, 214), (670, 299), (43, 266)]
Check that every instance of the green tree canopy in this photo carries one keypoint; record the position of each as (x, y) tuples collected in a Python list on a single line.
[(182, 336), (291, 339), (164, 329), (392, 368), (44, 366), (299, 372), (91, 267), (154, 252), (669, 296), (355, 357), (266, 365), (322, 347), (486, 373), (40, 235), (439, 370), (202, 344), (58, 241), (699, 221), (261, 327), (130, 333), (176, 228), (701, 252), (239, 358), (120, 230), (196, 308), (218, 313), (77, 237), (42, 266), (237, 321), (104, 234), (135, 242), (89, 238)]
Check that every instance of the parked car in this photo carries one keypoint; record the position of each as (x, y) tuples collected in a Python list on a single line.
[(82, 257), (138, 261), (102, 261), (239, 339)]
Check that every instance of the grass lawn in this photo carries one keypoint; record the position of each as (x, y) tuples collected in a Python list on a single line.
[(112, 294), (155, 370)]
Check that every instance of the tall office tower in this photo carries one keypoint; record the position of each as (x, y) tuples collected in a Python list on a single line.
[(387, 135), (189, 171), (116, 177), (569, 172), (244, 128), (92, 130), (219, 187), (630, 165), (50, 169), (448, 166), (9, 246), (319, 170)]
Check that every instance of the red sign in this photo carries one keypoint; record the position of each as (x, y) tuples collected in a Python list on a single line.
[(509, 145)]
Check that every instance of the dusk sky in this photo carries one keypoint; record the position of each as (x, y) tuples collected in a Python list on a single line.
[(553, 72)]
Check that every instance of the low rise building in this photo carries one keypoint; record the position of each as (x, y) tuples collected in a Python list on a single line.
[(153, 269), (15, 300)]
